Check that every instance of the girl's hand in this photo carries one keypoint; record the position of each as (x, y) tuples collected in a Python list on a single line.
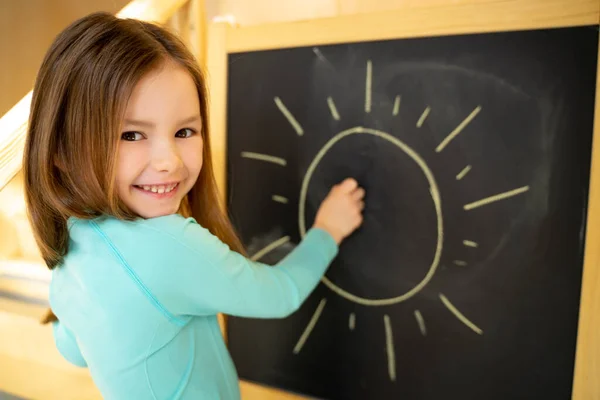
[(340, 213)]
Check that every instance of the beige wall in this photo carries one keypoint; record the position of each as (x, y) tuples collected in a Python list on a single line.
[(27, 28)]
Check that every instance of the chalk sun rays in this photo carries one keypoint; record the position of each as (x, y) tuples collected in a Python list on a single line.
[(461, 174), (388, 329)]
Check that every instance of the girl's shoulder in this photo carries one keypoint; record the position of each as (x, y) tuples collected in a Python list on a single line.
[(173, 225)]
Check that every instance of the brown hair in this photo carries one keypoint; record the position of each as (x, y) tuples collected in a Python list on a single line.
[(79, 100)]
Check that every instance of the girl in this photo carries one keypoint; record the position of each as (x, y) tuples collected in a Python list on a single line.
[(124, 206)]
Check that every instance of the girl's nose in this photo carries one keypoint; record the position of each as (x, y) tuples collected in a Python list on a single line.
[(166, 157)]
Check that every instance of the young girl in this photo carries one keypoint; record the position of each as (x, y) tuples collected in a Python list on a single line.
[(123, 202)]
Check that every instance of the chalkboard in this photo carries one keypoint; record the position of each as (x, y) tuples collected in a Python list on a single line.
[(474, 150)]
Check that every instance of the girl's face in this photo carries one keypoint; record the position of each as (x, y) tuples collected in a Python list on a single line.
[(160, 151)]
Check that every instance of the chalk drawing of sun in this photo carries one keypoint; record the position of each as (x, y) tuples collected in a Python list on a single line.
[(434, 191)]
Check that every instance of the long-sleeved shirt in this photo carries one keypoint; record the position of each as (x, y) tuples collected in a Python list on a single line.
[(137, 303)]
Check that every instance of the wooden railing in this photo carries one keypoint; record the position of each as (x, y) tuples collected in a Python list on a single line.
[(186, 17)]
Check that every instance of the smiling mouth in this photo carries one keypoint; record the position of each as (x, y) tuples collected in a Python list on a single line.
[(158, 190)]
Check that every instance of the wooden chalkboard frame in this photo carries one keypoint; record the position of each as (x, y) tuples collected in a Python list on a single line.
[(410, 21)]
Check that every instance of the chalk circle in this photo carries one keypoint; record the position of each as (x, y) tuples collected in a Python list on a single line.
[(435, 195)]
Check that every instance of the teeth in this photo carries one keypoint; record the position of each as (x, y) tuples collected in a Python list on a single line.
[(160, 189)]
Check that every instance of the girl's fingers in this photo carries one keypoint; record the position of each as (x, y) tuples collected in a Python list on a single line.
[(358, 194), (348, 185)]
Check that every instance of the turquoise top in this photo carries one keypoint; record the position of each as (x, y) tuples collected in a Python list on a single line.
[(138, 302)]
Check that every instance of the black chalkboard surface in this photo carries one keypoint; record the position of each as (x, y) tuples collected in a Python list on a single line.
[(474, 150)]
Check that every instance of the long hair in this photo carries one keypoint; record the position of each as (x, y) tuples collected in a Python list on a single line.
[(79, 100)]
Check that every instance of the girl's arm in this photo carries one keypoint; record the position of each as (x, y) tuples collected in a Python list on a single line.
[(191, 272), (202, 276)]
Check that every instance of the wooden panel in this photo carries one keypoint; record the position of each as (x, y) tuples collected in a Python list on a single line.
[(251, 391), (452, 18), (269, 11), (217, 84), (347, 7), (587, 362), (189, 23), (178, 23), (257, 12), (197, 31)]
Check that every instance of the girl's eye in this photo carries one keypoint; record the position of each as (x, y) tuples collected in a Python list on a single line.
[(131, 136), (185, 133)]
